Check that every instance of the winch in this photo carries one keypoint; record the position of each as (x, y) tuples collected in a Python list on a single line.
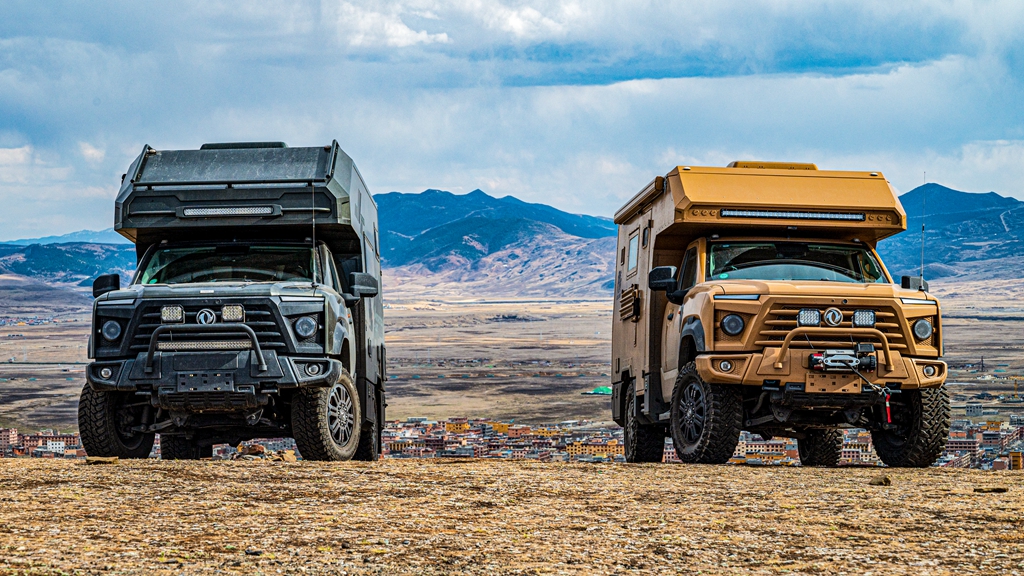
[(861, 358)]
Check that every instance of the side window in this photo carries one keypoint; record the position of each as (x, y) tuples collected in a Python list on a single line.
[(326, 271), (634, 251), (689, 275), (334, 273)]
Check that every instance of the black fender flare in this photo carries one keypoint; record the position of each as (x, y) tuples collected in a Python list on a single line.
[(694, 330)]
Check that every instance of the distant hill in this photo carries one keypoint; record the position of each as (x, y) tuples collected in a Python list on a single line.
[(430, 227), (107, 236), (75, 264), (441, 243), (963, 231), (438, 243)]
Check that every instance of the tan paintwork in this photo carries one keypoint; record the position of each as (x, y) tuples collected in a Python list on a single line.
[(682, 210)]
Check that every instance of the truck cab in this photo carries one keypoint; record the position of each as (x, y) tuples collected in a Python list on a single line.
[(752, 298), (255, 309)]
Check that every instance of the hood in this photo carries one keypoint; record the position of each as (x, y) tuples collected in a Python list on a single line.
[(821, 289), (211, 289)]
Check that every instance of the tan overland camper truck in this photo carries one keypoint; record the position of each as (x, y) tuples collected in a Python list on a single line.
[(752, 298)]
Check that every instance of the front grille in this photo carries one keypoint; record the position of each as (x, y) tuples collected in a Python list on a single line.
[(781, 320), (258, 316)]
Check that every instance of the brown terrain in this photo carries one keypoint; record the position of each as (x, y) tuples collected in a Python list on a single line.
[(502, 517), (524, 358)]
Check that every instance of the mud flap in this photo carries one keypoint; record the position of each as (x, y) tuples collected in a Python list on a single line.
[(617, 402)]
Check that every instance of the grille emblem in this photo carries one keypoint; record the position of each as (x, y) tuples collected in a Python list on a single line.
[(206, 316), (833, 317)]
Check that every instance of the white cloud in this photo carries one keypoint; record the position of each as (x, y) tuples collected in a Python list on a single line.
[(91, 153), (570, 103), (15, 156), (361, 27)]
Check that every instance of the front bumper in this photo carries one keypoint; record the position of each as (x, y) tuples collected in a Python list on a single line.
[(778, 367), (192, 380)]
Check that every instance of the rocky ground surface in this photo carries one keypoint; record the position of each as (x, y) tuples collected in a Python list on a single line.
[(485, 517)]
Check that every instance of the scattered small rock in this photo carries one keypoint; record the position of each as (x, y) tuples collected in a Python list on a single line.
[(101, 460), (881, 481), (346, 545), (253, 552), (990, 489)]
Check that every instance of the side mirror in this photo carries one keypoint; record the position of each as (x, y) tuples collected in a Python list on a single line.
[(363, 285), (105, 283), (662, 279), (914, 283)]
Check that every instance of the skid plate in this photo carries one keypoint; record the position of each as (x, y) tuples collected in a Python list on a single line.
[(833, 384)]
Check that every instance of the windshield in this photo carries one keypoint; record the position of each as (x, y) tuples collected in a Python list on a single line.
[(793, 261), (227, 263)]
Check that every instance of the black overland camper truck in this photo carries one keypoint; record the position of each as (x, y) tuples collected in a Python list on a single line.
[(247, 316)]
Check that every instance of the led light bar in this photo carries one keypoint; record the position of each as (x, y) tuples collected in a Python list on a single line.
[(737, 296), (232, 313), (204, 345), (228, 211), (172, 314), (730, 213), (921, 301)]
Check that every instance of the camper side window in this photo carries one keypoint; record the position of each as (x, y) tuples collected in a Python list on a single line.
[(634, 249)]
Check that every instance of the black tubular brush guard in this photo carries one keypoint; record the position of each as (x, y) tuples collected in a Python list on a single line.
[(204, 329)]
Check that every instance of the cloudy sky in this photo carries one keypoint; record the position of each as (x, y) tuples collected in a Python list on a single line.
[(572, 103)]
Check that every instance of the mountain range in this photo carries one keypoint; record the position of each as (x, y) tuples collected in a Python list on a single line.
[(438, 243)]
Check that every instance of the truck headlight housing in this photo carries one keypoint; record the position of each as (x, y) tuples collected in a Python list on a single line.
[(111, 331), (232, 313), (732, 325), (305, 327), (864, 318), (172, 314), (923, 329), (809, 317)]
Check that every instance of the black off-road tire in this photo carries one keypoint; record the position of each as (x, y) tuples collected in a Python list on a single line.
[(821, 447), (312, 422), (181, 448), (643, 442), (922, 417), (100, 416), (370, 442), (706, 418)]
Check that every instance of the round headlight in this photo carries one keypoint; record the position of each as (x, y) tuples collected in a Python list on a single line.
[(725, 366), (732, 325), (923, 329), (305, 326), (106, 373), (111, 330), (929, 371)]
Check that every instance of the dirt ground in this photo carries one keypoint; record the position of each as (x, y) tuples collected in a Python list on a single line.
[(502, 517)]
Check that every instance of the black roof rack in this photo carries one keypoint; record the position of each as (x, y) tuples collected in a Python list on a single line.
[(237, 145)]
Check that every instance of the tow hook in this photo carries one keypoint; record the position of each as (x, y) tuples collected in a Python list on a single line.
[(888, 410)]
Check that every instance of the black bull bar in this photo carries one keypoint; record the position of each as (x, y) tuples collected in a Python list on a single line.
[(204, 329)]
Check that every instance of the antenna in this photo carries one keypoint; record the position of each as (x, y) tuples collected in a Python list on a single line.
[(924, 200), (312, 210)]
